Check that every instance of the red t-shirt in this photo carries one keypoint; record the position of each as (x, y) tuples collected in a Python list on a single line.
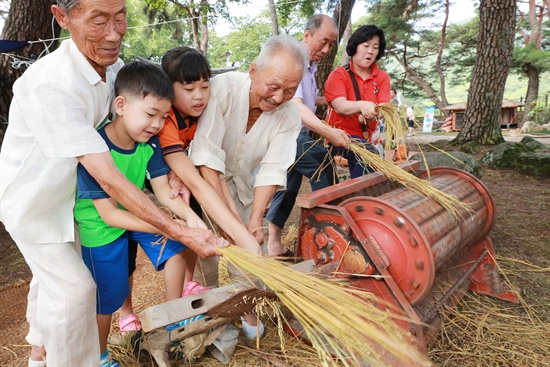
[(376, 88), (177, 133)]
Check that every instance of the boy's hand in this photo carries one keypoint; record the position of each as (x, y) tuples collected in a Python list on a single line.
[(194, 221), (178, 188)]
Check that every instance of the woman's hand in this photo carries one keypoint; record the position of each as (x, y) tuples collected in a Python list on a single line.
[(367, 110)]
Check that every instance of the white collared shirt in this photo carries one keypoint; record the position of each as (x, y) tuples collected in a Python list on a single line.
[(57, 105), (260, 157)]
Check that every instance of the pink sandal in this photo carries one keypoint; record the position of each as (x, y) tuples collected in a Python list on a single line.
[(129, 323), (192, 288)]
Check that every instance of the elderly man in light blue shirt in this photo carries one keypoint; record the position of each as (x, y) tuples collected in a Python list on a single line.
[(311, 158)]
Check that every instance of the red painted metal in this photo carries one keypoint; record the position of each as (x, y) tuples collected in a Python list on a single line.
[(397, 244)]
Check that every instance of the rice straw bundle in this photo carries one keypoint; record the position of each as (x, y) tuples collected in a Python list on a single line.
[(396, 174), (337, 320), (393, 126)]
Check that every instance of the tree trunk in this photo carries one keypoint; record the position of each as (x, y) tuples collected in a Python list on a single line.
[(273, 15), (341, 15), (494, 55), (532, 73), (204, 27), (28, 20), (440, 55), (347, 35), (535, 16), (195, 29)]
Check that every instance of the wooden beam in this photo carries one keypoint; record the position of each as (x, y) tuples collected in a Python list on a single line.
[(167, 313)]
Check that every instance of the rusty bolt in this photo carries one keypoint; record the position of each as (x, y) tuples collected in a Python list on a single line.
[(419, 264), (413, 242), (359, 208), (414, 284), (378, 211), (399, 222)]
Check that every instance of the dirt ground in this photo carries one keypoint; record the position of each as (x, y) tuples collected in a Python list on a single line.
[(522, 243)]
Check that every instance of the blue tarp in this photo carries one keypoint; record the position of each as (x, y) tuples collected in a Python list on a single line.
[(7, 46)]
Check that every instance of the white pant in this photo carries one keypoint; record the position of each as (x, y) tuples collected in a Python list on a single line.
[(61, 307)]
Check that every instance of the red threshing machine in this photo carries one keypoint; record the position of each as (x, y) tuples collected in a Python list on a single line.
[(405, 248)]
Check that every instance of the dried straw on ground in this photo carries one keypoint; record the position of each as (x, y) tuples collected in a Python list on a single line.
[(419, 186), (485, 331), (337, 320)]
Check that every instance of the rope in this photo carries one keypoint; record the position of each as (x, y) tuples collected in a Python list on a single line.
[(18, 62)]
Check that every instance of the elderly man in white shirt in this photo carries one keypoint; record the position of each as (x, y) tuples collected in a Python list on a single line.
[(57, 105), (245, 139)]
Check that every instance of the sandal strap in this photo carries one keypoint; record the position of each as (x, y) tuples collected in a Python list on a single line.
[(129, 320)]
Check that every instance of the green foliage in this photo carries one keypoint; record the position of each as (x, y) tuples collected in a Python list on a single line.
[(150, 41), (289, 10), (240, 47), (414, 41), (530, 55), (539, 113)]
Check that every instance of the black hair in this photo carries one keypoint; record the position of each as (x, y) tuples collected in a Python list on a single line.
[(363, 34), (143, 78), (185, 65)]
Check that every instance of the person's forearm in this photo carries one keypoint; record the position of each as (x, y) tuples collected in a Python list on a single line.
[(337, 137), (262, 197), (213, 178), (212, 200), (346, 108), (310, 120), (162, 191), (127, 221), (117, 186)]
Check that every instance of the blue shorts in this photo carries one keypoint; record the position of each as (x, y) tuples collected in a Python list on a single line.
[(109, 266)]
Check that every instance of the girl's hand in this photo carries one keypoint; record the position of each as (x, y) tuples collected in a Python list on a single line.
[(194, 221)]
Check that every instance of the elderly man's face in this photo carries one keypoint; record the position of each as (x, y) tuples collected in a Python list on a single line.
[(97, 28), (320, 42), (276, 84)]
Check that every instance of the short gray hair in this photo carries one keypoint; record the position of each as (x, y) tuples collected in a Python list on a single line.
[(67, 5), (316, 21), (283, 42)]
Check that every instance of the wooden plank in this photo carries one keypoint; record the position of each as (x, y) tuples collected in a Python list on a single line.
[(347, 187), (167, 313)]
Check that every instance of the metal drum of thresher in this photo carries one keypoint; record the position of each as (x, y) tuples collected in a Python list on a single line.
[(417, 234)]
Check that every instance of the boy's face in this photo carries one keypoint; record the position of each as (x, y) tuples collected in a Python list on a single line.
[(191, 99), (142, 118)]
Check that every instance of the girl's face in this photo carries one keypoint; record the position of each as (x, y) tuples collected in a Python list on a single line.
[(191, 99), (366, 53)]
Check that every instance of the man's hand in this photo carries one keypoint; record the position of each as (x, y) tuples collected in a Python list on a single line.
[(337, 137), (201, 241), (178, 188), (255, 227)]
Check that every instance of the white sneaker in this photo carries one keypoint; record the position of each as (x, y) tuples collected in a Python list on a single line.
[(251, 332), (36, 363)]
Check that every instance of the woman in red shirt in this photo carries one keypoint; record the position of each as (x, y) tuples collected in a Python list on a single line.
[(355, 115)]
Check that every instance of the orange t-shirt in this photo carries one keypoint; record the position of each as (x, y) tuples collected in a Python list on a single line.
[(177, 133)]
